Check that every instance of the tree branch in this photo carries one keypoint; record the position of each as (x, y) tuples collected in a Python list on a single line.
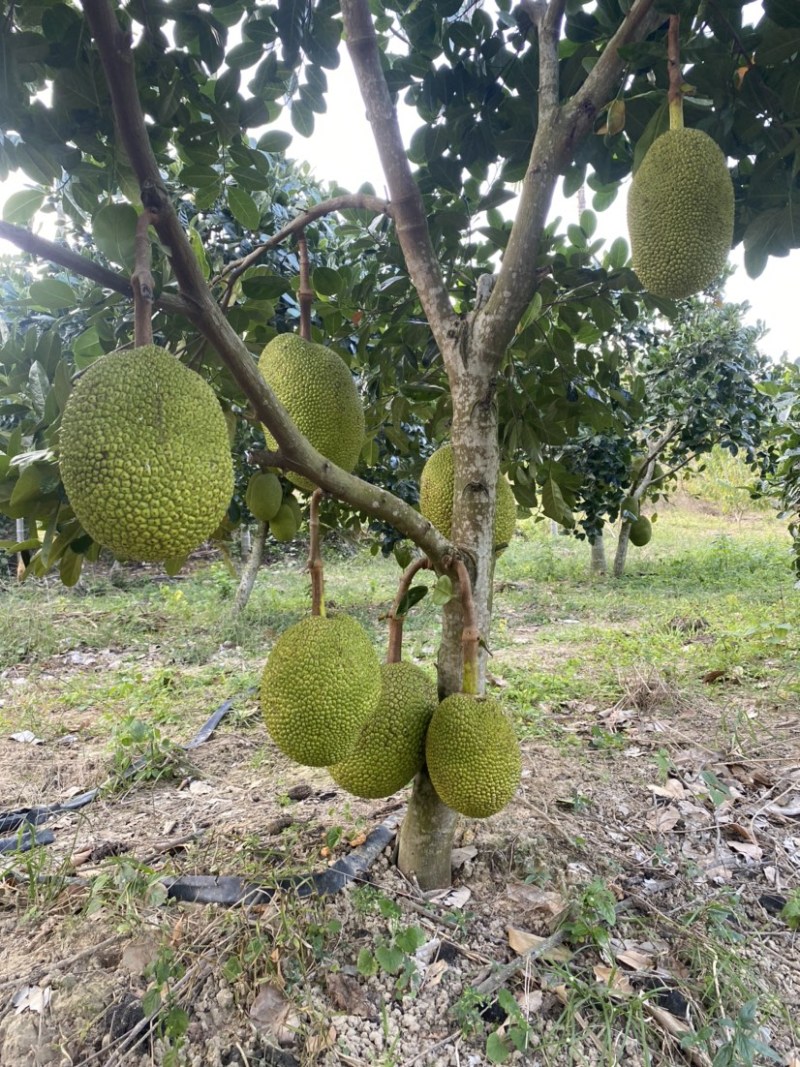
[(142, 283), (408, 209), (114, 47), (549, 30), (348, 201), (554, 145), (40, 247)]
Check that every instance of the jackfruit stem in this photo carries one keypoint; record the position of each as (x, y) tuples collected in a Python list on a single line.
[(142, 282), (675, 95), (305, 294), (315, 568), (470, 634), (394, 652)]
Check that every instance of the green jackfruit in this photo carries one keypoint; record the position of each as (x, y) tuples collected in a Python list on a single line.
[(391, 746), (629, 507), (145, 456), (284, 525), (680, 214), (264, 496), (320, 684), (436, 489), (473, 755), (316, 387), (641, 531)]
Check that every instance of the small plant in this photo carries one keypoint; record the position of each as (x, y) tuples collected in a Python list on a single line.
[(592, 915), (395, 956), (790, 913), (160, 1004), (141, 753), (126, 886), (515, 1033), (737, 1041)]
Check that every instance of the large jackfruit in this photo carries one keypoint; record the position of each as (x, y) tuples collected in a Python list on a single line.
[(316, 387), (641, 532), (473, 755), (437, 487), (145, 455), (320, 684), (680, 214), (391, 746)]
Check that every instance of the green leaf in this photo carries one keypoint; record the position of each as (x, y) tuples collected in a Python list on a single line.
[(114, 231), (275, 141), (554, 506), (497, 1051), (366, 964), (86, 347), (302, 118), (658, 124), (326, 281), (69, 568), (244, 208), (52, 294), (22, 206), (412, 597), (617, 255), (443, 591), (390, 959)]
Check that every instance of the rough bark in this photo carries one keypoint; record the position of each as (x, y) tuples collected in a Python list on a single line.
[(250, 572), (426, 837), (598, 558), (621, 555)]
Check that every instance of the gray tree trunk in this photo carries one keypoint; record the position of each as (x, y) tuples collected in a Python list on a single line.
[(250, 572), (598, 557), (621, 554), (21, 534)]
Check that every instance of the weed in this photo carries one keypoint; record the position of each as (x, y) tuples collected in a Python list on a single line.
[(160, 1001), (790, 913), (141, 753)]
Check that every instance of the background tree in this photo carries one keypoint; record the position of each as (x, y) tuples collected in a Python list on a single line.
[(149, 100)]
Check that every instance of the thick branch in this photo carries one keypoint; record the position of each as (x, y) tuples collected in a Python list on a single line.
[(557, 137), (115, 52), (407, 207), (349, 201), (142, 283), (78, 264), (549, 30)]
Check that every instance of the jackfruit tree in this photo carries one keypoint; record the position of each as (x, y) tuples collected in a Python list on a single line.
[(467, 318)]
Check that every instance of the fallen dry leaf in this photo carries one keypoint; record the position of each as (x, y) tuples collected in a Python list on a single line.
[(662, 820), (359, 839), (614, 978), (347, 994), (637, 961), (521, 942), (273, 1016), (672, 789), (752, 852), (533, 899), (435, 973)]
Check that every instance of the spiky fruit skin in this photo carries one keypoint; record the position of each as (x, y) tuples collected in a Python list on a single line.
[(264, 496), (436, 489), (316, 387), (390, 749), (641, 531), (473, 755), (320, 684), (680, 214), (145, 455)]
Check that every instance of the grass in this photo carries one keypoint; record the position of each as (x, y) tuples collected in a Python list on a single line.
[(703, 632)]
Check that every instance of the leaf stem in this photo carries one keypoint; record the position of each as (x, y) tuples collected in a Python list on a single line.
[(675, 95)]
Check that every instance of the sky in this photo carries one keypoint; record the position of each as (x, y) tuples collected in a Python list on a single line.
[(342, 150)]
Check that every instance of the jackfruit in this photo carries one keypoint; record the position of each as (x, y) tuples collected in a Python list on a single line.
[(629, 507), (391, 746), (641, 531), (680, 214), (316, 387), (284, 526), (436, 489), (145, 458), (473, 755), (264, 496), (320, 684)]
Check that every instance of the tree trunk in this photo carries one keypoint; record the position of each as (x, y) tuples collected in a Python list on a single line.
[(622, 549), (426, 837), (21, 534), (248, 579), (598, 558), (245, 540)]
